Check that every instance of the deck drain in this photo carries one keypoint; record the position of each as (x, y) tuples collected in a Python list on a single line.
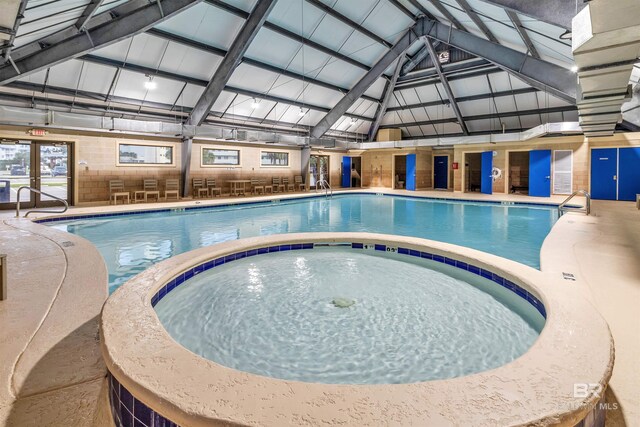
[(67, 244), (568, 276)]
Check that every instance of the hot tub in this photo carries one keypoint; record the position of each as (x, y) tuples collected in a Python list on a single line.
[(351, 328)]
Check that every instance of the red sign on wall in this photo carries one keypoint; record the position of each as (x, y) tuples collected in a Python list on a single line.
[(454, 165)]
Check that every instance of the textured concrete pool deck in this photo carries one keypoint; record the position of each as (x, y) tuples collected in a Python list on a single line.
[(602, 250)]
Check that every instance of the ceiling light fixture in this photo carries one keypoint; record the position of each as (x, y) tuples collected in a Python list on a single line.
[(574, 69), (301, 113), (255, 104), (150, 84)]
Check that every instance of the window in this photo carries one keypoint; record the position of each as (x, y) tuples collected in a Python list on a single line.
[(274, 158), (129, 154), (220, 157)]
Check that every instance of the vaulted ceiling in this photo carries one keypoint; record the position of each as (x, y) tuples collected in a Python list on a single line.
[(302, 58)]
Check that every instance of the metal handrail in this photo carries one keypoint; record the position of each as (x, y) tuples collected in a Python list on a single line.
[(34, 190), (324, 184), (586, 208)]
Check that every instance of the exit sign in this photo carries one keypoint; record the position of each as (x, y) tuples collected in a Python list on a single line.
[(38, 132)]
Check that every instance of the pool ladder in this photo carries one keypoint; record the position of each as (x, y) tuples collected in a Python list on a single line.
[(586, 209), (324, 184), (33, 190)]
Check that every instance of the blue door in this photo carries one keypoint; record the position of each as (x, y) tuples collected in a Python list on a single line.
[(540, 173), (411, 172), (346, 172), (440, 172), (604, 168), (486, 168), (629, 173)]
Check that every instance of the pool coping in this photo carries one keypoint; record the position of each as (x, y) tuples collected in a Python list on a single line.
[(575, 346), (213, 204)]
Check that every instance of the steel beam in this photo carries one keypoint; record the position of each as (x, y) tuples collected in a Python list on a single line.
[(488, 116), (451, 77), (447, 68), (556, 12), (115, 30), (477, 20), (224, 71), (16, 24), (444, 11), (388, 93), (465, 99), (340, 17), (409, 37), (203, 83), (447, 87), (556, 80), (255, 63), (289, 34), (423, 11), (523, 33), (87, 13), (414, 61)]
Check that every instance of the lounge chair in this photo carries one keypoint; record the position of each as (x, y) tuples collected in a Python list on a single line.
[(116, 189), (199, 188), (298, 182), (257, 185), (213, 188), (150, 187), (288, 185), (172, 188)]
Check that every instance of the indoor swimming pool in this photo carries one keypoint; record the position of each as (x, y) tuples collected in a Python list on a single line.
[(131, 243)]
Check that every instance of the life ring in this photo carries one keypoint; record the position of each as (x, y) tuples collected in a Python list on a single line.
[(496, 174)]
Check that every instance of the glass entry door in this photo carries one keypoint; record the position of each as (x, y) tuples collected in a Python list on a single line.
[(318, 169), (40, 165)]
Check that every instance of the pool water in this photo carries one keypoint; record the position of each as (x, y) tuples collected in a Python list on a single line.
[(130, 244), (411, 319)]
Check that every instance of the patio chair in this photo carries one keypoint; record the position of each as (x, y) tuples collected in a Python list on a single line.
[(257, 185), (213, 188), (172, 188), (277, 184), (288, 185), (116, 189), (266, 186), (199, 188), (150, 187), (298, 182)]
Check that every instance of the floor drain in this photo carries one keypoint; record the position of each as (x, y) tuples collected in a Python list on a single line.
[(67, 244), (568, 276)]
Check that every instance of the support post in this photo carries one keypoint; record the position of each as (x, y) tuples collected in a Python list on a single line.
[(185, 165), (3, 277)]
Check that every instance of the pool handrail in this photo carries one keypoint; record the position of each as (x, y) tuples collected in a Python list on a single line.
[(585, 209), (34, 190)]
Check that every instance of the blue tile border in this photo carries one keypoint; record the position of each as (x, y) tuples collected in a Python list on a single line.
[(127, 411), (295, 199), (478, 271)]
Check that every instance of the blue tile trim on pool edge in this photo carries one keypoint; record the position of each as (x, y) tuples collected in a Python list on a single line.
[(486, 274), (127, 411), (294, 199)]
